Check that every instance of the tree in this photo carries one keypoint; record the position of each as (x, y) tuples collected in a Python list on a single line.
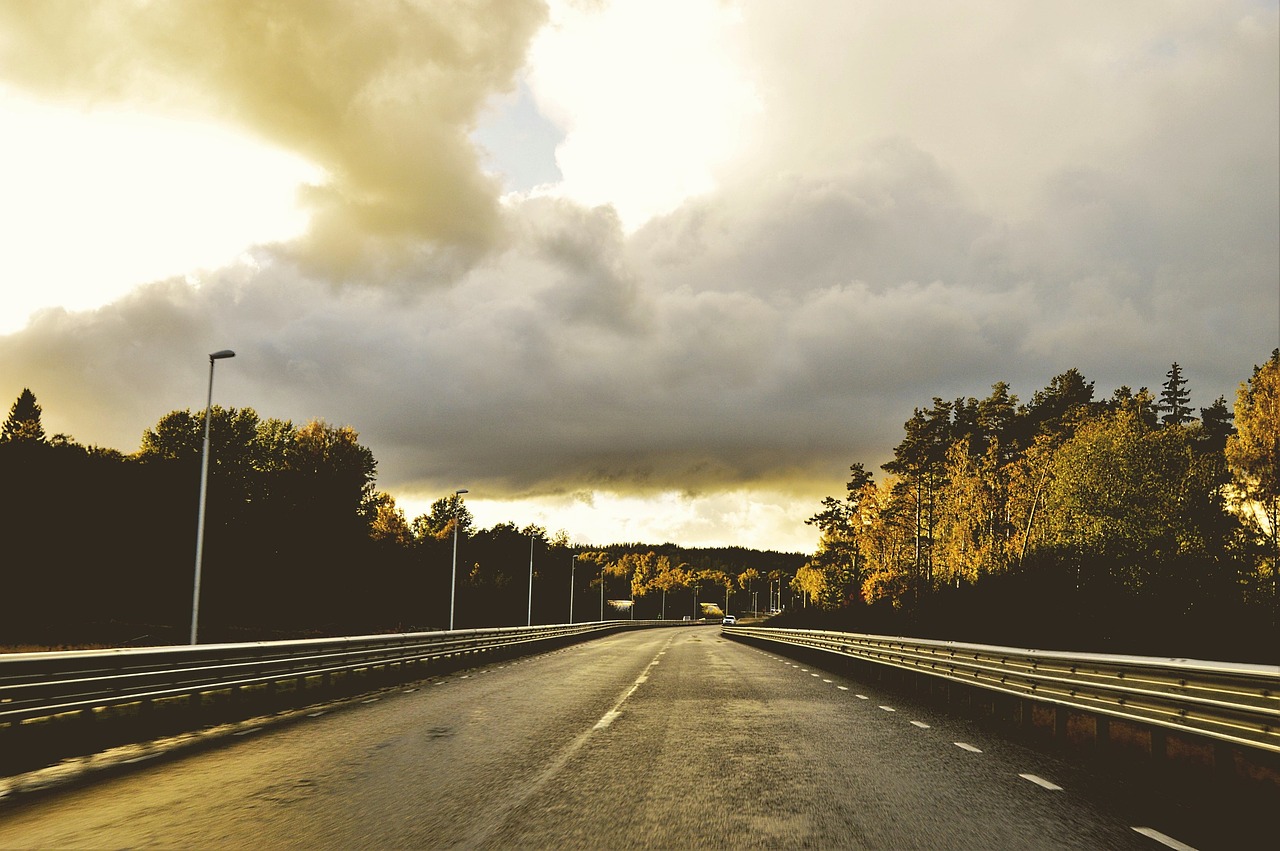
[(1124, 505), (23, 424), (389, 523), (439, 522), (972, 525), (1216, 420), (1174, 398), (1253, 453), (1058, 407), (919, 464)]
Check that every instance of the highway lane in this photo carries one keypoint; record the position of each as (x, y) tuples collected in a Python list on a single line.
[(667, 738)]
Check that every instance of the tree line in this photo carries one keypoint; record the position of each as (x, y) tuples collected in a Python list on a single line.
[(1125, 524), (100, 545)]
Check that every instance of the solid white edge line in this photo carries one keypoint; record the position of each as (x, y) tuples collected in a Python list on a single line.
[(1152, 833), (1040, 781)]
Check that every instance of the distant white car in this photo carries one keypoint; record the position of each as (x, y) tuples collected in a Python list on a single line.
[(729, 620)]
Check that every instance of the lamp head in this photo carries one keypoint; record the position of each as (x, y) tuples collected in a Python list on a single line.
[(225, 353), (461, 492)]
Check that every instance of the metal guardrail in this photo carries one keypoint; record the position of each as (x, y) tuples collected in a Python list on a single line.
[(50, 684), (1229, 702)]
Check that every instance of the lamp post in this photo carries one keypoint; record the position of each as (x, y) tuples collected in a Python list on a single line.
[(530, 623), (573, 565), (204, 484), (602, 592), (453, 574)]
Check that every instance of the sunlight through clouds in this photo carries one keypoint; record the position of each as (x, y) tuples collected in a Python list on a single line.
[(100, 201), (653, 97)]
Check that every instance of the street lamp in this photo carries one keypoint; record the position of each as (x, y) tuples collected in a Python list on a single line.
[(453, 578), (530, 623), (573, 565), (601, 592), (204, 483)]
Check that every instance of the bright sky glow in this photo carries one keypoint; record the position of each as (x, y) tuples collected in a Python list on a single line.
[(664, 104), (763, 520), (100, 201)]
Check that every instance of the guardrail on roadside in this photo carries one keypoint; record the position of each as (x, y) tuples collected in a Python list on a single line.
[(1234, 703), (61, 702)]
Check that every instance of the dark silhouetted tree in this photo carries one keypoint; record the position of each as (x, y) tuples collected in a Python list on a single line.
[(1174, 398), (23, 424)]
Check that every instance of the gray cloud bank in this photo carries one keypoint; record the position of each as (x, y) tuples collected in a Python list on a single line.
[(764, 335)]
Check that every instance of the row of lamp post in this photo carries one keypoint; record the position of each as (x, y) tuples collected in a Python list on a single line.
[(457, 504)]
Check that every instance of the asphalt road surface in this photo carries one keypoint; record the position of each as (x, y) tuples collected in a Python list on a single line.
[(658, 738)]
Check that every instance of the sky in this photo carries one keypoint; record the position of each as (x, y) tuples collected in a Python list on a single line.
[(638, 270)]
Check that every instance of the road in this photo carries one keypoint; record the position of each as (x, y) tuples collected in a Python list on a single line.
[(661, 738)]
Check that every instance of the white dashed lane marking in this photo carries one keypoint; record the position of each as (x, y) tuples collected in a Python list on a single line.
[(1149, 832), (1152, 833), (1040, 781)]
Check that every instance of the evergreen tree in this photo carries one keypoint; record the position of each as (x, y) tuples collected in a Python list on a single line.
[(1217, 424), (23, 424), (1174, 398)]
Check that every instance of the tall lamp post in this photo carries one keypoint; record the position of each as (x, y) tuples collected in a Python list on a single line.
[(204, 484), (601, 592), (453, 577), (573, 566), (530, 623)]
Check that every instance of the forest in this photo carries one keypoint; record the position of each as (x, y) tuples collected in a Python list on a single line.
[(1130, 524), (299, 542), (1133, 523)]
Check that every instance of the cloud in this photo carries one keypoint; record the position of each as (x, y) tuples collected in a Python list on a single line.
[(1094, 188), (382, 96)]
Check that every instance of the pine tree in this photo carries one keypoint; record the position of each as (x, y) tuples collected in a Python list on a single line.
[(1174, 398), (23, 424), (1217, 424)]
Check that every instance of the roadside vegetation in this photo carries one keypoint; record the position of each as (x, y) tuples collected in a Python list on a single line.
[(1131, 524), (100, 546)]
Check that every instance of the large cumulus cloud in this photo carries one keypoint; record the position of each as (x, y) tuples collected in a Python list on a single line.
[(381, 95)]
